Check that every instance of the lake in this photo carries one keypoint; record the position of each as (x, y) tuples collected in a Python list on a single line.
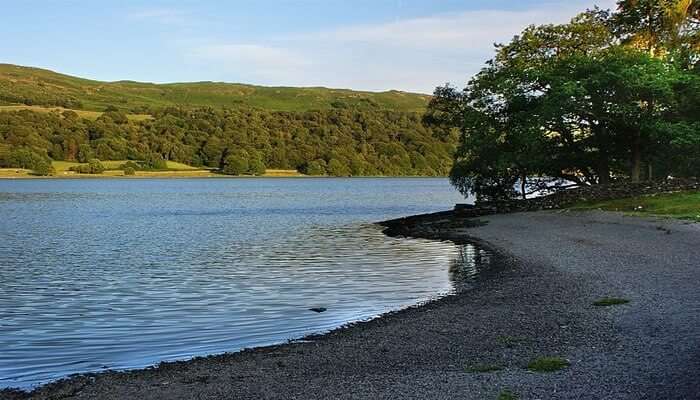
[(125, 273)]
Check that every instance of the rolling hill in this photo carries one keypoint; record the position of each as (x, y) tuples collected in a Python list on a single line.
[(29, 86)]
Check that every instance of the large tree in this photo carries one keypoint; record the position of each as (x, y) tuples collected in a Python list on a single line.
[(572, 101)]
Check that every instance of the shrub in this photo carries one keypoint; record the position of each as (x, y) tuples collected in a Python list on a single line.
[(129, 171), (610, 301), (316, 167), (337, 168), (256, 167), (547, 364), (44, 168), (130, 164), (236, 164), (155, 161), (95, 166)]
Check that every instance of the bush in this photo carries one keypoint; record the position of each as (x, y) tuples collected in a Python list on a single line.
[(547, 364), (256, 167), (236, 164), (316, 167), (44, 168), (85, 153), (95, 166), (130, 164), (129, 171), (28, 159), (336, 168), (155, 161)]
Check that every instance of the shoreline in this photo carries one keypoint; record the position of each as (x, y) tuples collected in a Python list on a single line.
[(62, 387), (210, 176), (553, 265)]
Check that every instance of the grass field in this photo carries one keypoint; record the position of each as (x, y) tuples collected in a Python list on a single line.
[(19, 85), (282, 172), (175, 170), (93, 115), (63, 166), (682, 205)]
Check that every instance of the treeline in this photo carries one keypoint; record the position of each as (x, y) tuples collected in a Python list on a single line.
[(608, 96), (234, 141)]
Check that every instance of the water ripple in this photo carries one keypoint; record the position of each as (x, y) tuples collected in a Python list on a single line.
[(98, 274)]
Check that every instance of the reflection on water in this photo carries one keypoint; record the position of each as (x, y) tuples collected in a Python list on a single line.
[(124, 274), (468, 263)]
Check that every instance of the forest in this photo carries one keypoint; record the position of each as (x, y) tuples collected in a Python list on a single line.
[(240, 141), (610, 96)]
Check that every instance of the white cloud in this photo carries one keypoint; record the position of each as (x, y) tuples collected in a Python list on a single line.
[(413, 54)]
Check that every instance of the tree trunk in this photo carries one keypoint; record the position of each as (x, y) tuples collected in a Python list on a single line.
[(636, 157), (603, 170), (650, 175), (523, 179)]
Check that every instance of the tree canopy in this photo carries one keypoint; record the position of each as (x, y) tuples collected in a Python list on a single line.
[(587, 102), (343, 142)]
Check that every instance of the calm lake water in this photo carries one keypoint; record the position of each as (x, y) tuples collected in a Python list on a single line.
[(99, 274)]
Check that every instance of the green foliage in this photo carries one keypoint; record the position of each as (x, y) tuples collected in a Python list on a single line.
[(575, 102), (43, 168), (24, 157), (85, 152), (315, 167), (154, 161), (360, 142), (547, 364), (506, 394), (34, 86), (129, 171), (610, 301), (93, 166), (336, 168), (483, 368), (683, 205), (256, 166), (665, 28), (130, 164), (236, 163)]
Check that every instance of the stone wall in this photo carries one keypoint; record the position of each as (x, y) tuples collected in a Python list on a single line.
[(442, 224), (594, 193)]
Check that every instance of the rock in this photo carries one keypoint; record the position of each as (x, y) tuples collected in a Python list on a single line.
[(318, 309), (432, 224)]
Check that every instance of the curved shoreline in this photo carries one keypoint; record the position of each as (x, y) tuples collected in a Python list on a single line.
[(556, 265), (71, 385)]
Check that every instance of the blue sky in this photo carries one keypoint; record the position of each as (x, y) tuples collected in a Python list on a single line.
[(410, 45)]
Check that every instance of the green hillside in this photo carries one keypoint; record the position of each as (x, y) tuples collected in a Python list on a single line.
[(39, 87)]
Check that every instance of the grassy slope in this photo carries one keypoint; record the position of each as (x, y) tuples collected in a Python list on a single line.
[(93, 115), (44, 86), (683, 205)]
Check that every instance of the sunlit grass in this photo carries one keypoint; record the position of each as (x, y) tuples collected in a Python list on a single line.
[(506, 394), (610, 301), (113, 169), (92, 115), (547, 364), (682, 205)]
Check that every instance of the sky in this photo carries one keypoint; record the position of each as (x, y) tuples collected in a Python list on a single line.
[(377, 45)]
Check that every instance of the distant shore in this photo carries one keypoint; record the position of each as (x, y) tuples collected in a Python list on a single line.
[(549, 269), (17, 173), (20, 174)]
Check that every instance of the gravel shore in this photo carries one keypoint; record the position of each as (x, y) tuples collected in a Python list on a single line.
[(551, 267)]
